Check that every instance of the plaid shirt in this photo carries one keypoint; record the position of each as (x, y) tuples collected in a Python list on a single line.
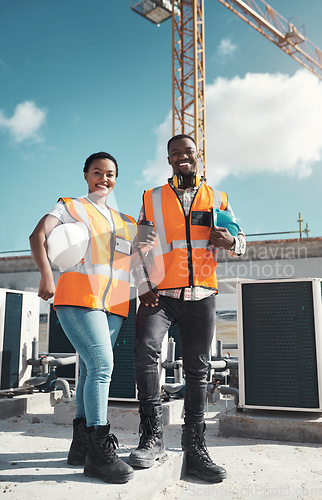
[(186, 197)]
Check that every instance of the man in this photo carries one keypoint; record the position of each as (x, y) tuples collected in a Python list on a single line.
[(182, 276)]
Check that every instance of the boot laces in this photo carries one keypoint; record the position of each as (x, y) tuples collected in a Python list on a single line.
[(201, 449), (110, 444), (148, 435)]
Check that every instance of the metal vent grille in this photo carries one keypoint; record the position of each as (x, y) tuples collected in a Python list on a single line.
[(11, 341), (279, 345), (123, 383), (59, 343)]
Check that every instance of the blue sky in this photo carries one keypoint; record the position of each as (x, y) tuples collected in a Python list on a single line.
[(83, 76)]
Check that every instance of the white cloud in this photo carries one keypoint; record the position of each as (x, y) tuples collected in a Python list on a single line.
[(26, 122), (260, 123), (264, 123), (226, 48), (157, 170)]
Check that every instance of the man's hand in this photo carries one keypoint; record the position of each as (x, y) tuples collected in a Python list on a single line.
[(220, 237), (150, 298), (148, 243)]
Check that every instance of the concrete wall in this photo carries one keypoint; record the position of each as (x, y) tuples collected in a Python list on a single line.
[(263, 260), (292, 258), (21, 273)]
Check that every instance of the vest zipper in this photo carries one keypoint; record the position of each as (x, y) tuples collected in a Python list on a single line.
[(189, 251), (112, 247), (188, 237)]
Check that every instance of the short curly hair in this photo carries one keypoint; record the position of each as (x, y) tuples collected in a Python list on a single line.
[(100, 156), (180, 136)]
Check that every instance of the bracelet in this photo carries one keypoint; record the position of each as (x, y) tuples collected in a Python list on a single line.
[(233, 246)]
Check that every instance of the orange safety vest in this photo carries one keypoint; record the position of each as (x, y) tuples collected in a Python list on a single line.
[(181, 258), (101, 280)]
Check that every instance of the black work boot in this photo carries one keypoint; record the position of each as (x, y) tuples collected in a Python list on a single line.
[(198, 461), (151, 445), (79, 447), (101, 460)]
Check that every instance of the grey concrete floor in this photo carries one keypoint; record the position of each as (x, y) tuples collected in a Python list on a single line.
[(33, 465)]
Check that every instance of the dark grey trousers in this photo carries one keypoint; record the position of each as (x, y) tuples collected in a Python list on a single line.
[(196, 323)]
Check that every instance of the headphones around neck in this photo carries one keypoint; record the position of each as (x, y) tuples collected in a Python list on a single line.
[(196, 178)]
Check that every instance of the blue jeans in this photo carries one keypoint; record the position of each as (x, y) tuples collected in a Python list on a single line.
[(93, 334)]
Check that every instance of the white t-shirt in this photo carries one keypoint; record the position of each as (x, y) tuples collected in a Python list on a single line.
[(60, 211)]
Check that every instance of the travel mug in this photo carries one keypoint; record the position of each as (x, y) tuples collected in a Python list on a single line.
[(144, 228)]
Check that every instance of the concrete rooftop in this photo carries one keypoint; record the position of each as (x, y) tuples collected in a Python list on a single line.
[(34, 449)]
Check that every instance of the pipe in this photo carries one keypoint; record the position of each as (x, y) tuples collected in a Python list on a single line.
[(232, 363), (219, 348), (63, 361), (34, 381), (35, 348), (222, 375), (34, 361), (176, 366), (51, 361), (230, 346), (219, 364), (171, 349), (225, 389), (61, 383), (44, 369), (171, 365), (172, 388), (223, 363), (59, 354), (178, 375)]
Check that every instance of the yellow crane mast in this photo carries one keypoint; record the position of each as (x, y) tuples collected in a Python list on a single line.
[(267, 21), (188, 53), (188, 73)]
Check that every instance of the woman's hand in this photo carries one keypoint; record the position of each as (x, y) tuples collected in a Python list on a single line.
[(39, 252), (46, 287)]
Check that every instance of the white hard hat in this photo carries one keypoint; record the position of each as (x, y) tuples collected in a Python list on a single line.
[(67, 244)]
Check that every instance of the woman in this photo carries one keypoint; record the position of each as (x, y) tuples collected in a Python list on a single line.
[(91, 301)]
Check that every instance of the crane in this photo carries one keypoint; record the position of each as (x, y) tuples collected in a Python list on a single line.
[(188, 53)]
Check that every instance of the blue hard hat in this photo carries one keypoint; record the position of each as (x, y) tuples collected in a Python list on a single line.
[(222, 218)]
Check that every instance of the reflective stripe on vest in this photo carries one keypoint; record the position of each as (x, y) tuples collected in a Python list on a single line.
[(101, 280), (181, 257)]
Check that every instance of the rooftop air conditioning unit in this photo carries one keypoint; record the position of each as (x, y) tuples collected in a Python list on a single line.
[(123, 383), (280, 344), (60, 346), (19, 325)]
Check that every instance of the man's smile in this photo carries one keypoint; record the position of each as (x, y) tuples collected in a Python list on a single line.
[(183, 164)]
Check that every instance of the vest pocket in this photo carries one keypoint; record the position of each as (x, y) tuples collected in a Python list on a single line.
[(199, 218)]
